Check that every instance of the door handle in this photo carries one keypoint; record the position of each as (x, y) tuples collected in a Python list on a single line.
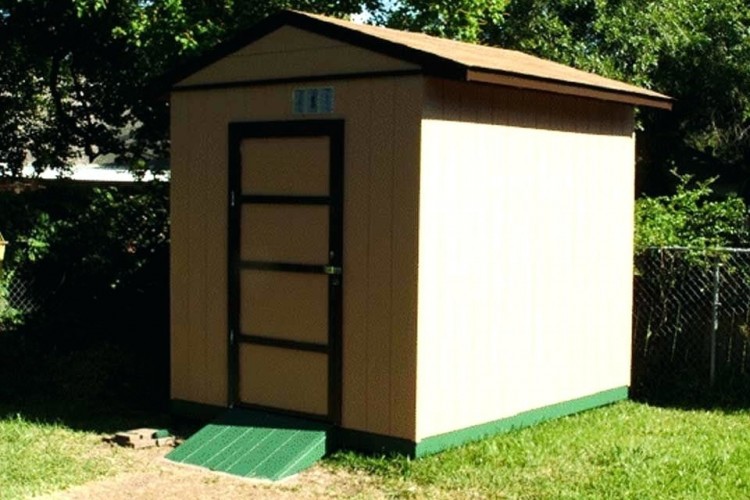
[(332, 270)]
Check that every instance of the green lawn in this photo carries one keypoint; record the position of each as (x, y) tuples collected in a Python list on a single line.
[(627, 450), (38, 458)]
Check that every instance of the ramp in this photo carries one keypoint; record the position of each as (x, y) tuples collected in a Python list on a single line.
[(255, 444)]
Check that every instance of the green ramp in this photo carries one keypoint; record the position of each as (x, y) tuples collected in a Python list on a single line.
[(255, 444)]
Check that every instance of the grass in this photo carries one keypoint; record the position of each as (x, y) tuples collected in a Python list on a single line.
[(628, 450), (55, 407), (39, 458)]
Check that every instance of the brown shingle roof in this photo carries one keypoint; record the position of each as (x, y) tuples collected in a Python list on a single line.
[(448, 59)]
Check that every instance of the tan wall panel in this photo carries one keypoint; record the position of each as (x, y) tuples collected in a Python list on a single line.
[(288, 166), (179, 199), (405, 249), (368, 369), (296, 234), (291, 52), (197, 276), (198, 256), (214, 210), (380, 256), (284, 378), (525, 253), (356, 245), (288, 39), (291, 306), (376, 349)]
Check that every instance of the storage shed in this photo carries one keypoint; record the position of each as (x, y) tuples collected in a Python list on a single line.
[(417, 241)]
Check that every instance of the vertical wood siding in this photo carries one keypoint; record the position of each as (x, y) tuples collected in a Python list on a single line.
[(525, 252), (383, 119)]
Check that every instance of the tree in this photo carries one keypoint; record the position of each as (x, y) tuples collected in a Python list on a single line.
[(74, 72), (690, 218), (697, 51), (465, 20)]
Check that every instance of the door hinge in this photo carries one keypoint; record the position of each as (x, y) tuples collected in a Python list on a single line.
[(231, 198), (231, 336)]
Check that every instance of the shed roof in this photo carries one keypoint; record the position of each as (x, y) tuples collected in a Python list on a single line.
[(440, 57)]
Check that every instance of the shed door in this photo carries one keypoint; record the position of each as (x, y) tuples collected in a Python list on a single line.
[(285, 247)]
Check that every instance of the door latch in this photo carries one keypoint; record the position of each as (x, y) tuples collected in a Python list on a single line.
[(332, 270)]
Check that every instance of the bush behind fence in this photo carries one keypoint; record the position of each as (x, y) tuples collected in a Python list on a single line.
[(84, 297), (16, 300), (691, 331)]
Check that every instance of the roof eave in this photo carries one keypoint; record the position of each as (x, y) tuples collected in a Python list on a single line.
[(652, 100)]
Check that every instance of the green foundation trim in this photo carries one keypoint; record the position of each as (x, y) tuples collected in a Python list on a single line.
[(387, 445), (195, 411), (442, 442)]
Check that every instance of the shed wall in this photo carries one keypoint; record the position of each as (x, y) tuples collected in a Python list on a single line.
[(382, 121), (525, 252)]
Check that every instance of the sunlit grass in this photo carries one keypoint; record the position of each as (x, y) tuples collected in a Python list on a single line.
[(37, 458), (628, 450)]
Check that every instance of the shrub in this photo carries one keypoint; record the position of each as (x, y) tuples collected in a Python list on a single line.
[(97, 262), (690, 218)]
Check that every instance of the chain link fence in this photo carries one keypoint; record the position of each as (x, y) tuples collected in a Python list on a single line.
[(691, 330), (17, 299)]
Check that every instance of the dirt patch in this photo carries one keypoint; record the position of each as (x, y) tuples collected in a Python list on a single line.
[(146, 474)]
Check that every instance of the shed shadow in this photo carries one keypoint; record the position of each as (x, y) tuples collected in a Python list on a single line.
[(102, 388), (728, 400)]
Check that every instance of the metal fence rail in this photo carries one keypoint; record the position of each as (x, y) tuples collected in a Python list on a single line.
[(691, 329)]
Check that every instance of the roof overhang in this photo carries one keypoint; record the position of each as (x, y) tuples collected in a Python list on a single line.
[(567, 88), (431, 64)]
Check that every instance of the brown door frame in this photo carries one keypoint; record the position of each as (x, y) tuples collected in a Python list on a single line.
[(334, 130)]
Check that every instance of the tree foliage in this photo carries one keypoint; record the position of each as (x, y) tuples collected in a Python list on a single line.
[(465, 20), (92, 259), (697, 51), (690, 218), (74, 72)]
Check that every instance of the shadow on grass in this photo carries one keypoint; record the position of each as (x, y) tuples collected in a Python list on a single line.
[(99, 387), (727, 396)]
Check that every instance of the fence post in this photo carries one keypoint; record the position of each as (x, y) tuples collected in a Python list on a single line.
[(714, 325)]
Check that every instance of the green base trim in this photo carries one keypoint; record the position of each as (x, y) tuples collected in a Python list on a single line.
[(442, 442), (379, 444), (195, 411)]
